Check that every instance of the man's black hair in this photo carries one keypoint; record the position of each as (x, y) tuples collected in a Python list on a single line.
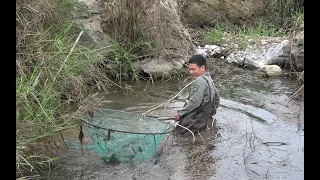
[(199, 60)]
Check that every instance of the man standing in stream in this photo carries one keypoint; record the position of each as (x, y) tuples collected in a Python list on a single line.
[(202, 102)]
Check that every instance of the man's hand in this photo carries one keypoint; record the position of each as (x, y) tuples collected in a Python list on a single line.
[(177, 117)]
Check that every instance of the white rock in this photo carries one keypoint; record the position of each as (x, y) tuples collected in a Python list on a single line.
[(270, 70)]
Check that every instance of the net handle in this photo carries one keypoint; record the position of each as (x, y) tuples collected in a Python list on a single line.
[(162, 118)]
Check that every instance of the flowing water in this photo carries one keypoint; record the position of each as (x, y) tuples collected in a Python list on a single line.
[(258, 133)]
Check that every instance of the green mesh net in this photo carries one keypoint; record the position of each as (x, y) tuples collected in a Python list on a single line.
[(123, 136)]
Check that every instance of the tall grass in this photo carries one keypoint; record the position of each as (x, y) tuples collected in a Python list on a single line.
[(57, 72), (53, 71), (124, 23), (50, 88)]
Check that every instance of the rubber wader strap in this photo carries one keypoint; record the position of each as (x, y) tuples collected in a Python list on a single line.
[(207, 81)]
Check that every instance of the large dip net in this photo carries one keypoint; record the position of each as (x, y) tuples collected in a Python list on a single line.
[(120, 136)]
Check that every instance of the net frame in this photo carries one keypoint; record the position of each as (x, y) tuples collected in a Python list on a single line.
[(115, 145)]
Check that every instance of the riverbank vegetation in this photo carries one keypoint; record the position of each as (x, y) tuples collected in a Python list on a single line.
[(262, 28), (56, 73)]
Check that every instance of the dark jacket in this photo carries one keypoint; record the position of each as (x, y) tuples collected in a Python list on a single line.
[(202, 104)]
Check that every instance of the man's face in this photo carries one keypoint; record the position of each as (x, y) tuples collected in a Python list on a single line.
[(195, 70)]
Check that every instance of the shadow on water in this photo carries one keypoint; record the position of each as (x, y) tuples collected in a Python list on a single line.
[(253, 112), (256, 134)]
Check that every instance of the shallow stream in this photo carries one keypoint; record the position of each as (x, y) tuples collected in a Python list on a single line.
[(258, 134)]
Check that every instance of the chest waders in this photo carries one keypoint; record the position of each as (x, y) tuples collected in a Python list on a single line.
[(197, 120)]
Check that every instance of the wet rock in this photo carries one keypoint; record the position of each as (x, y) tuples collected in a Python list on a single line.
[(297, 51), (160, 66), (247, 58), (269, 52), (270, 70), (278, 54)]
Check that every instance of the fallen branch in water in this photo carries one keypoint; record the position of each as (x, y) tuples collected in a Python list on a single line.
[(293, 94), (275, 143)]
